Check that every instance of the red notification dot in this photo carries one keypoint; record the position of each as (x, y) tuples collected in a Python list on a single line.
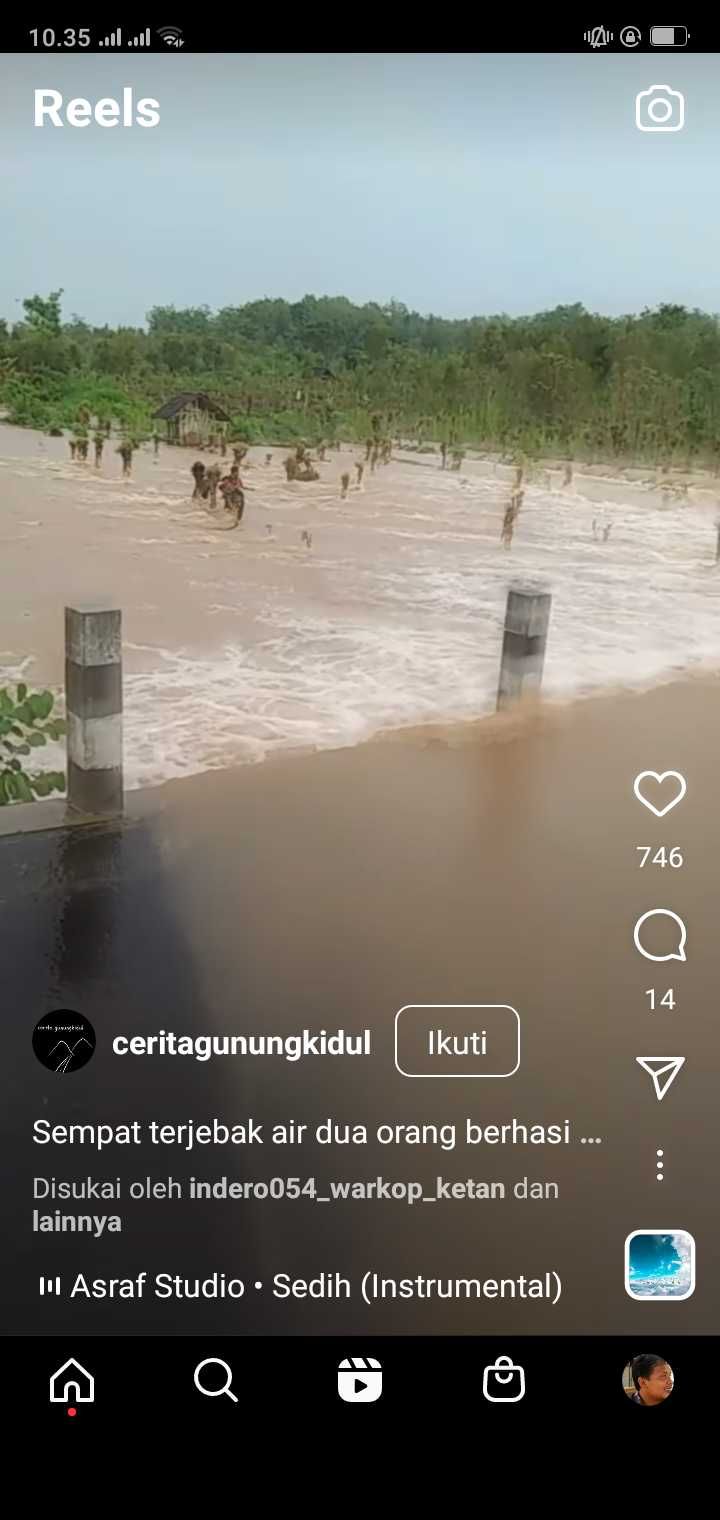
[(72, 1411)]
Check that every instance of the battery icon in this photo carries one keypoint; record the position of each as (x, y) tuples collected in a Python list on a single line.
[(668, 36)]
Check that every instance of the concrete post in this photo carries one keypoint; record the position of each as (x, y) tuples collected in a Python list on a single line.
[(93, 700), (527, 616)]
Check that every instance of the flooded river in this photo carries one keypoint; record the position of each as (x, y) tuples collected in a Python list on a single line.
[(241, 644)]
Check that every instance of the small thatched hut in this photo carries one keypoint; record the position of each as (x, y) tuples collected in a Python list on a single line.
[(192, 418)]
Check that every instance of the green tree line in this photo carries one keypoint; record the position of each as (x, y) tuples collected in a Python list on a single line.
[(566, 381)]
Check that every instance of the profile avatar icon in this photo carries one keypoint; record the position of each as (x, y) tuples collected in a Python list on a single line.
[(648, 1380), (64, 1041)]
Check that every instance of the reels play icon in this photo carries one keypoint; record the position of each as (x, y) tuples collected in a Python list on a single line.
[(359, 1380)]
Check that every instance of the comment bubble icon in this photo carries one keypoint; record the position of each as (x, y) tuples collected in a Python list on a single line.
[(675, 937)]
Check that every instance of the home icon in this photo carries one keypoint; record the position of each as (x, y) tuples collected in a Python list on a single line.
[(72, 1384)]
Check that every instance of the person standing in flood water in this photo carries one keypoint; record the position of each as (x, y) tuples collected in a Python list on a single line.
[(508, 527), (197, 470), (512, 512), (125, 450), (233, 495), (99, 444), (231, 490), (212, 477)]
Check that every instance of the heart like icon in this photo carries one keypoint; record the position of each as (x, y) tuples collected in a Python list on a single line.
[(660, 777)]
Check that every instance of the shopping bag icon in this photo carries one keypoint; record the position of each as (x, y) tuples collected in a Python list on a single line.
[(504, 1383)]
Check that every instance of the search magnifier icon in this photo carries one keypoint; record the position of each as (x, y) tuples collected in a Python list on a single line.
[(214, 1393)]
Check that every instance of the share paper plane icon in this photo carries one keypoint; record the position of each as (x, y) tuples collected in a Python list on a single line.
[(663, 1070)]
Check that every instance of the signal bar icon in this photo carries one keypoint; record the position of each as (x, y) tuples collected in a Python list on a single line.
[(114, 39)]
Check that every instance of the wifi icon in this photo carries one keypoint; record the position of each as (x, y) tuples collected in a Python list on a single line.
[(171, 36)]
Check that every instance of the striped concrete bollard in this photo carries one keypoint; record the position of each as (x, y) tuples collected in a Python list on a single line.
[(93, 701), (527, 616)]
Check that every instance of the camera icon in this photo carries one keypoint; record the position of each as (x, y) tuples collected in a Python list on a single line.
[(659, 109)]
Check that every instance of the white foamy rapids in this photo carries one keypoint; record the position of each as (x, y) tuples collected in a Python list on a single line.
[(238, 644), (315, 685)]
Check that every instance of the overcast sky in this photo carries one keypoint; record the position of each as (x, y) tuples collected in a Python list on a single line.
[(458, 184)]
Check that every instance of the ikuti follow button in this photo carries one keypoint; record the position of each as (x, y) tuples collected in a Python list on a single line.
[(457, 1040)]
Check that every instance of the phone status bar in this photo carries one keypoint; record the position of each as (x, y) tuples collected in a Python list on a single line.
[(499, 35)]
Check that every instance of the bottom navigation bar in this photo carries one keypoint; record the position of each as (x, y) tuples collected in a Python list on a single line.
[(91, 1384)]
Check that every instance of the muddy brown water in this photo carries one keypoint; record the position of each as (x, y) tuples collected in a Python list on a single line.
[(488, 863)]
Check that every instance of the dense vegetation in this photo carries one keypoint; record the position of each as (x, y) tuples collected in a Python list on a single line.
[(563, 382), (26, 725)]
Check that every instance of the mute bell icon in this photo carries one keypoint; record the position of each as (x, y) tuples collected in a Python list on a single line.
[(598, 36)]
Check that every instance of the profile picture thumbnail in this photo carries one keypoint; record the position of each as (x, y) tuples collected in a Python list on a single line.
[(660, 1264), (64, 1041), (648, 1380)]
